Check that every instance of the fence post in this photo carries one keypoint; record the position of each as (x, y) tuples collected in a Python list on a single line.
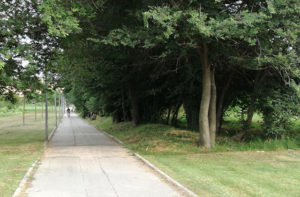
[(63, 106), (46, 111), (23, 111), (55, 111), (35, 110), (59, 107), (42, 109)]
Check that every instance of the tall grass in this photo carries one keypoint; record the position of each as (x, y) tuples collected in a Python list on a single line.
[(151, 137)]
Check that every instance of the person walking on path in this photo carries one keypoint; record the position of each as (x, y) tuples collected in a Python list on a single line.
[(68, 112)]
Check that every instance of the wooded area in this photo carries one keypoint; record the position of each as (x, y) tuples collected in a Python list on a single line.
[(141, 61)]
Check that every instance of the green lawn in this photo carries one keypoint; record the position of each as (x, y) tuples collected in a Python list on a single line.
[(235, 173), (230, 169), (20, 146), (7, 109)]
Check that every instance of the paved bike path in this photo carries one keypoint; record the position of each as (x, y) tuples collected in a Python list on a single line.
[(83, 162)]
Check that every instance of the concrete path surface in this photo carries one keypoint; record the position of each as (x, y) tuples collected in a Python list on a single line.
[(83, 162)]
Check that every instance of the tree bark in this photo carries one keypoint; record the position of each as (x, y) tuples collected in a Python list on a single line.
[(117, 117), (124, 110), (205, 99), (191, 106), (213, 109), (169, 113), (221, 102), (175, 115), (250, 111), (134, 104)]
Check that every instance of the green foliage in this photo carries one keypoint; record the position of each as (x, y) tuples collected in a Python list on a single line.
[(92, 105), (59, 19), (23, 39), (142, 59), (1, 65), (278, 109), (6, 106)]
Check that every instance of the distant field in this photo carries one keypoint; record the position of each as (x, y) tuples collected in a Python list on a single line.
[(10, 110), (257, 168), (19, 147)]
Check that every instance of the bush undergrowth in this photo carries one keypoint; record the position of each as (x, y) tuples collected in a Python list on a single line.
[(160, 139)]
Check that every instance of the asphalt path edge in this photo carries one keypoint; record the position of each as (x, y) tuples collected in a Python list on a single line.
[(23, 182), (152, 166), (28, 174), (167, 177)]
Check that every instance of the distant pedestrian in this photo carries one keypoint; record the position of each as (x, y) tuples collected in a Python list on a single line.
[(68, 112)]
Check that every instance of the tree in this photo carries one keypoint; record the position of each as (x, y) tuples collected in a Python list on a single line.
[(157, 43), (23, 42), (251, 24)]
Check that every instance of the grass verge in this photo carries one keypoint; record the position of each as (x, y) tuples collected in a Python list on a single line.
[(20, 146), (230, 169)]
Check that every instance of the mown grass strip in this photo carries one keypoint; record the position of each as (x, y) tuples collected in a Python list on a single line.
[(223, 171), (20, 146)]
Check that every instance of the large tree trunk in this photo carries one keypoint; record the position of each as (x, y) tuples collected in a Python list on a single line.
[(134, 104), (205, 99), (191, 101), (126, 117), (169, 113), (212, 109), (250, 111), (192, 113), (221, 102), (191, 106), (117, 116)]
